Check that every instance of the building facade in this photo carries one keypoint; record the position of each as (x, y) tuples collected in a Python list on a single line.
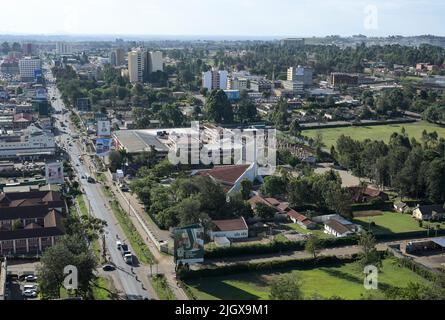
[(215, 79), (28, 67)]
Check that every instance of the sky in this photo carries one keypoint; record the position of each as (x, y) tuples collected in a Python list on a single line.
[(260, 18)]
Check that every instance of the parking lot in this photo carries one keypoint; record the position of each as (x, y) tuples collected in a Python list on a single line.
[(21, 280)]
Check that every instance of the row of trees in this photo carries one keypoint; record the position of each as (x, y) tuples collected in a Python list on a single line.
[(322, 191), (415, 169)]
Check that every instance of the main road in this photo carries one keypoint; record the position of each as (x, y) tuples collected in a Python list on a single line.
[(131, 285)]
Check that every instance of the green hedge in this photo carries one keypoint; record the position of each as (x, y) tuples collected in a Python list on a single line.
[(267, 266)]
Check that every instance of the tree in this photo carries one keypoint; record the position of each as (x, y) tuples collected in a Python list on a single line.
[(264, 211), (280, 115), (313, 245), (5, 48), (274, 186), (115, 159), (218, 107), (70, 250), (368, 254), (286, 287), (246, 110), (246, 189), (295, 128)]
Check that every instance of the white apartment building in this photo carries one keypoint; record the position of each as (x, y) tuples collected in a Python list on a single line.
[(215, 79), (136, 65), (27, 68), (156, 61), (63, 48), (30, 143)]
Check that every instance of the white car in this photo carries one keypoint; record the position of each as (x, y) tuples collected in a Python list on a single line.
[(30, 278), (118, 245), (30, 293)]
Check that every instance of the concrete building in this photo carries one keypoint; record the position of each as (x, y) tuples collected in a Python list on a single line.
[(63, 48), (29, 49), (30, 143), (296, 87), (215, 79), (136, 65), (230, 229), (9, 66), (117, 57), (156, 61), (28, 67), (301, 74), (339, 78)]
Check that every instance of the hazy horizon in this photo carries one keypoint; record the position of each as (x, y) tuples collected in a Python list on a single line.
[(230, 18)]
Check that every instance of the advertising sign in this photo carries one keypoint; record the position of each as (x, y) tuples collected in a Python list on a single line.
[(54, 173), (103, 147), (103, 128), (189, 245)]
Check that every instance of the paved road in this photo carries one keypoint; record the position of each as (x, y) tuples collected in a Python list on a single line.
[(131, 286)]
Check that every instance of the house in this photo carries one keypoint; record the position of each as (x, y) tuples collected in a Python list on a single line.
[(301, 220), (230, 176), (231, 229), (339, 229), (271, 202), (366, 194), (401, 207), (30, 222), (429, 212)]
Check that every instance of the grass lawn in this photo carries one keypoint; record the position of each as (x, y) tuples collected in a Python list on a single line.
[(82, 206), (162, 289), (345, 281), (391, 222), (383, 132), (317, 232)]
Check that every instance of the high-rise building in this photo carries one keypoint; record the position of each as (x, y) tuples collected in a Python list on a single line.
[(156, 61), (136, 65), (215, 79), (28, 68), (29, 49), (63, 48), (301, 74), (117, 57)]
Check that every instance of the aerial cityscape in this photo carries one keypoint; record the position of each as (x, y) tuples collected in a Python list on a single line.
[(295, 162)]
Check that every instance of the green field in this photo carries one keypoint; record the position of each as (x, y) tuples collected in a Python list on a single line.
[(391, 222), (383, 132), (345, 281)]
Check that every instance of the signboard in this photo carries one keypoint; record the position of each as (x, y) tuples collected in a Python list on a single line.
[(103, 147), (54, 173), (189, 245), (38, 73), (103, 128)]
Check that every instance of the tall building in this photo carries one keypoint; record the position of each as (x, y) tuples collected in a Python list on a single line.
[(136, 65), (156, 61), (117, 57), (215, 79), (29, 49), (301, 74), (28, 68), (63, 48)]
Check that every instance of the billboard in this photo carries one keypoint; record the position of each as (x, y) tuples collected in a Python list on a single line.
[(54, 173), (189, 245), (103, 147), (103, 128)]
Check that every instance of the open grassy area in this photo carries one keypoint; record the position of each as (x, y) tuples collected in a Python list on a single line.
[(345, 281), (317, 232), (391, 222), (383, 132), (162, 289), (82, 205), (100, 289)]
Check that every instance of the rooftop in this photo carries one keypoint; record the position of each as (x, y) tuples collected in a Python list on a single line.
[(230, 225)]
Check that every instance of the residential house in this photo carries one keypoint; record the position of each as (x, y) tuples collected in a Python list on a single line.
[(338, 229), (366, 194), (429, 212), (230, 229), (231, 176), (301, 220), (401, 207)]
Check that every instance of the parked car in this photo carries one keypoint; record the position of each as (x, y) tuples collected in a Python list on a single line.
[(30, 293), (108, 267), (31, 278)]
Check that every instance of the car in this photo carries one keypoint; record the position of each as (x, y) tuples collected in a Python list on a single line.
[(30, 293), (31, 278), (118, 244), (108, 267)]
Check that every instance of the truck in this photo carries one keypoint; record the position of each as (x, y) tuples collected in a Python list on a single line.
[(126, 254)]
